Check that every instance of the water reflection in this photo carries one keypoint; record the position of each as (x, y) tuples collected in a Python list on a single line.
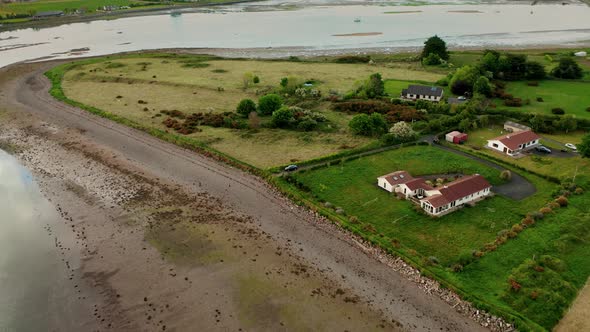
[(312, 29), (34, 294)]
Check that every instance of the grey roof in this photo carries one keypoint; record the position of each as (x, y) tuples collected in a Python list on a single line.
[(423, 90), (516, 125)]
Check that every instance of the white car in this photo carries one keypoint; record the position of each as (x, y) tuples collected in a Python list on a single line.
[(571, 146)]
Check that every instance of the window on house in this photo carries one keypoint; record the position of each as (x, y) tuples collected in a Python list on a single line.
[(495, 145)]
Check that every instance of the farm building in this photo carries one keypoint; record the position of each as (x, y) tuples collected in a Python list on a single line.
[(430, 93), (456, 137), (440, 200), (513, 127), (514, 143)]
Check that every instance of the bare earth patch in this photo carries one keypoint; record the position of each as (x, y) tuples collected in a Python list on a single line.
[(577, 318)]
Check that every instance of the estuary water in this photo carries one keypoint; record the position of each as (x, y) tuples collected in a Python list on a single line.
[(310, 29), (36, 293)]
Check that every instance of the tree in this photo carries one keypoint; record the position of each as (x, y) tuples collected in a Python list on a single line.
[(256, 79), (245, 107), (432, 60), (374, 87), (246, 80), (584, 147), (489, 61), (379, 124), (566, 123), (282, 117), (463, 80), (482, 86), (465, 124), (269, 103), (368, 125), (403, 131), (361, 125), (484, 121), (535, 71), (435, 45), (567, 68), (512, 67)]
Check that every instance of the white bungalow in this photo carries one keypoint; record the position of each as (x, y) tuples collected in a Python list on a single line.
[(514, 143)]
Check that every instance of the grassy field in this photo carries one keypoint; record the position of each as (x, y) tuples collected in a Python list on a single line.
[(396, 225), (558, 167), (50, 5), (190, 86), (573, 97), (352, 186)]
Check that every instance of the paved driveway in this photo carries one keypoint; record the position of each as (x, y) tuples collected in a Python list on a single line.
[(517, 188)]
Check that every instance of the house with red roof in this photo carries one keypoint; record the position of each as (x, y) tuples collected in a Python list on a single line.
[(513, 144), (440, 200)]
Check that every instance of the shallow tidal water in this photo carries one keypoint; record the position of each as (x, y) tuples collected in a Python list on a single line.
[(310, 28), (35, 291)]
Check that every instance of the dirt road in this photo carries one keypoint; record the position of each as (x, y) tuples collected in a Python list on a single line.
[(328, 251)]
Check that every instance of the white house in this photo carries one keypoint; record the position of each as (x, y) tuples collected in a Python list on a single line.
[(436, 201), (514, 143), (392, 181), (430, 93), (455, 194)]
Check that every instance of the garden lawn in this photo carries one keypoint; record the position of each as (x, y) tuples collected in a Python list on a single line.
[(352, 186), (572, 96)]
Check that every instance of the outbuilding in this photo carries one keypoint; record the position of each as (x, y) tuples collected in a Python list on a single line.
[(456, 137), (513, 127)]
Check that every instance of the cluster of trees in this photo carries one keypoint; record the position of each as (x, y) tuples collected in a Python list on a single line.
[(373, 125), (372, 88), (510, 67), (434, 52), (296, 118), (567, 68), (267, 104)]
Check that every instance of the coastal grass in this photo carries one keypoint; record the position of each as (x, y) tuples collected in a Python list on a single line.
[(139, 88), (53, 5), (572, 96)]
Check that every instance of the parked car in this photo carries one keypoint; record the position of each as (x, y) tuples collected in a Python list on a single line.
[(291, 168), (543, 149), (571, 146)]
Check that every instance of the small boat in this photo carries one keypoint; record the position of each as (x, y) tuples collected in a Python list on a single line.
[(357, 20)]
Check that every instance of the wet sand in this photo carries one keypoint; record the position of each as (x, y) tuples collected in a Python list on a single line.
[(359, 34)]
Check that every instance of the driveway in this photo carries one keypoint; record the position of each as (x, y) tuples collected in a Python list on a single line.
[(518, 188)]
